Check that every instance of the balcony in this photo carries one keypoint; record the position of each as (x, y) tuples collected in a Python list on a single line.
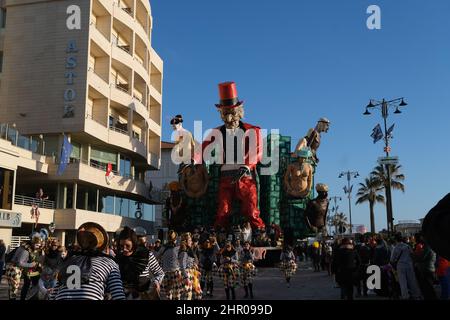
[(72, 219), (28, 201), (155, 94), (24, 205), (120, 94), (98, 83), (128, 11), (140, 108), (122, 54), (115, 136), (93, 173), (119, 130), (125, 48), (140, 31), (124, 15), (99, 37)]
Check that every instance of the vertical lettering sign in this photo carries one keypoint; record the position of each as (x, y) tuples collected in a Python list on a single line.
[(73, 22)]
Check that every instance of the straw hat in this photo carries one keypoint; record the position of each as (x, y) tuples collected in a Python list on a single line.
[(92, 236)]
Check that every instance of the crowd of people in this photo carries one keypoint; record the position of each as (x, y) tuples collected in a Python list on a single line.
[(129, 268), (187, 265), (409, 267)]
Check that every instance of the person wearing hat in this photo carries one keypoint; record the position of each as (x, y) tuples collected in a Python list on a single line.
[(317, 209), (141, 235), (183, 151), (312, 138), (27, 261), (238, 169), (139, 269), (189, 269), (99, 273), (298, 177), (172, 284)]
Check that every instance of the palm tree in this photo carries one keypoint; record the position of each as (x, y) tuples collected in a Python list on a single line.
[(369, 191), (380, 175), (340, 220)]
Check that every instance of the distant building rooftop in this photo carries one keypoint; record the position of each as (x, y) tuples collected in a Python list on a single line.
[(167, 145)]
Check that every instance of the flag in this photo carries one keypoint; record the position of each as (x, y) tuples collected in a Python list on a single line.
[(65, 155), (377, 133), (389, 132), (109, 173)]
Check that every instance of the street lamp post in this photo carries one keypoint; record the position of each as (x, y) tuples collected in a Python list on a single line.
[(335, 209), (384, 107), (348, 190)]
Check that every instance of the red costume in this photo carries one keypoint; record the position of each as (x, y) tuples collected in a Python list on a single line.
[(231, 188)]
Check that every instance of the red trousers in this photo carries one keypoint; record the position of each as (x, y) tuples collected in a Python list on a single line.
[(243, 191)]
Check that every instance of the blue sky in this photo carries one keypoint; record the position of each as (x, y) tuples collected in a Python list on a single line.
[(295, 61)]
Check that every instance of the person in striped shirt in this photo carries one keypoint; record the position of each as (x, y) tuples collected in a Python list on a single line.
[(99, 274), (139, 268)]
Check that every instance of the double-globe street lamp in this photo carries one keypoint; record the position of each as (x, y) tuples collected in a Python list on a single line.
[(384, 106), (348, 190), (335, 210)]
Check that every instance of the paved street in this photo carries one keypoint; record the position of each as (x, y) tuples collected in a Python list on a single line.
[(269, 284)]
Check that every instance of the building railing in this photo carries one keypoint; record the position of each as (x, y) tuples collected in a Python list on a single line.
[(29, 202), (91, 117), (128, 10), (92, 70), (123, 87), (9, 133), (125, 48), (116, 129)]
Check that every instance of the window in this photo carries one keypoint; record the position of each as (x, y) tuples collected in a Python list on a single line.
[(122, 207), (2, 18), (125, 167), (76, 152), (86, 198), (1, 61), (106, 202), (100, 159), (6, 188), (51, 145)]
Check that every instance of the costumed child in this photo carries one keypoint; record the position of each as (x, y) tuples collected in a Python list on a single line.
[(229, 269), (189, 269), (208, 253), (288, 265), (173, 280), (248, 270)]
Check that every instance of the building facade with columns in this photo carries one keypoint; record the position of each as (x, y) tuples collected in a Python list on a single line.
[(85, 70)]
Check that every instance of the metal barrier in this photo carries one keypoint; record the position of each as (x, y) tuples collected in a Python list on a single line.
[(29, 202)]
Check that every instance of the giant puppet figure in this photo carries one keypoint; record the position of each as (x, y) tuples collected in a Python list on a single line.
[(312, 138), (238, 148)]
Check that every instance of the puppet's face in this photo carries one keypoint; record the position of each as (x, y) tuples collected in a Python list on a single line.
[(323, 126), (176, 126), (194, 180), (232, 116)]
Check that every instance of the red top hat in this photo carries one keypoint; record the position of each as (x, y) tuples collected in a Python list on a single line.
[(228, 95)]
